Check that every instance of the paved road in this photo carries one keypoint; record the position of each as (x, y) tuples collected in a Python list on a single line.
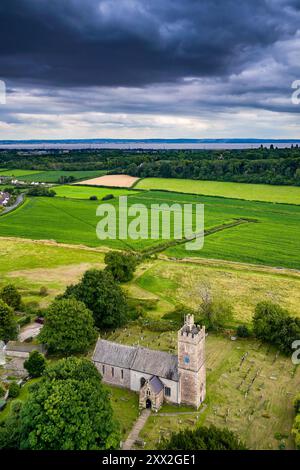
[(18, 202)]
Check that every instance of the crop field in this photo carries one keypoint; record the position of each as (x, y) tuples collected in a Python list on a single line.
[(251, 192), (54, 176), (19, 173), (272, 240), (85, 192)]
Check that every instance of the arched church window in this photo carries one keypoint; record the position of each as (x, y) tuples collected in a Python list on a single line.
[(142, 381)]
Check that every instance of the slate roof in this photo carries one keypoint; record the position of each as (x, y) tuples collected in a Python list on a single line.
[(114, 354), (157, 363), (156, 384), (148, 361)]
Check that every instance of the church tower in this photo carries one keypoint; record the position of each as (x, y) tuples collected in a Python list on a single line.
[(191, 362)]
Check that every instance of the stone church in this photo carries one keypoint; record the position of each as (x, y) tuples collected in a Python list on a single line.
[(158, 376)]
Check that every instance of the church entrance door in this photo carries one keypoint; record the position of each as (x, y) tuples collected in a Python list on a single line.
[(148, 403)]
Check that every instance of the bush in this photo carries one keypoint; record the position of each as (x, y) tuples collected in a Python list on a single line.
[(242, 331), (24, 320), (35, 364), (40, 191), (43, 291), (108, 197), (13, 390), (2, 391), (10, 295), (93, 198), (203, 438)]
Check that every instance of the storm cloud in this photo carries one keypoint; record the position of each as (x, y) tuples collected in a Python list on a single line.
[(191, 59)]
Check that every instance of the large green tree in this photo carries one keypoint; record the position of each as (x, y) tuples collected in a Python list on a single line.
[(68, 328), (11, 296), (103, 296), (273, 324), (8, 325), (203, 438), (68, 409), (121, 265)]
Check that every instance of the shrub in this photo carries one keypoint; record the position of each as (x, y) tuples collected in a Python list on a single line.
[(108, 197), (93, 198), (35, 364), (43, 291), (2, 391), (203, 438), (242, 331), (13, 390)]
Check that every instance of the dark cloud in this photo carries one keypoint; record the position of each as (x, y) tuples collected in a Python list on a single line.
[(137, 42)]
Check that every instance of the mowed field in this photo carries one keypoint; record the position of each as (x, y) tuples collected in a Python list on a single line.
[(272, 240), (18, 173), (251, 192)]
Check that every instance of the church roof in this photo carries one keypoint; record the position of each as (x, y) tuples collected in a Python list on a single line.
[(157, 363), (148, 361), (156, 384), (114, 354)]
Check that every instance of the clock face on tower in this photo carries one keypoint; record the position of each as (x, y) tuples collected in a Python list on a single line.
[(186, 359)]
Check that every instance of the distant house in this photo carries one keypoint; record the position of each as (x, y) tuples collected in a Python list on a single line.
[(156, 375), (18, 349)]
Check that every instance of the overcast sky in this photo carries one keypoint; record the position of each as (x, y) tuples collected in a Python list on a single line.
[(149, 68)]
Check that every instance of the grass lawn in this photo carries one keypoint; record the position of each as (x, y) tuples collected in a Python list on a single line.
[(85, 192), (252, 192), (257, 416), (125, 404)]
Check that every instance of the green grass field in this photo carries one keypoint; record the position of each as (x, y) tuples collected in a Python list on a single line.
[(54, 176), (85, 192), (273, 240), (19, 173), (251, 192)]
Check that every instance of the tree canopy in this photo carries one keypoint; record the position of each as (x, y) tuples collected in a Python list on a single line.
[(11, 296), (68, 409), (121, 265), (68, 328), (35, 364), (8, 325), (203, 438), (273, 324), (103, 296)]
